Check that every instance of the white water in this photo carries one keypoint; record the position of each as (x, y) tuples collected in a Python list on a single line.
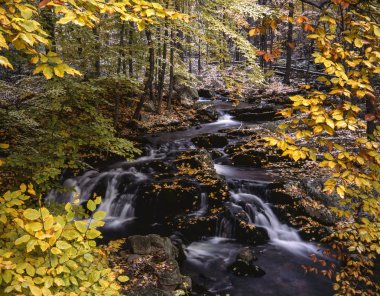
[(280, 234)]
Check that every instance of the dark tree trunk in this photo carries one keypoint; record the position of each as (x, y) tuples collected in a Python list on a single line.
[(121, 58), (162, 71), (97, 50), (199, 58), (289, 45), (171, 70), (370, 108), (130, 59), (149, 90)]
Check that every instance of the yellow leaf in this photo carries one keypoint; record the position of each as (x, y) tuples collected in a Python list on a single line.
[(48, 72), (341, 191), (376, 31), (4, 146), (5, 63), (358, 42), (59, 70), (3, 42), (63, 245), (35, 290), (99, 215), (31, 214), (22, 239), (123, 278), (330, 123)]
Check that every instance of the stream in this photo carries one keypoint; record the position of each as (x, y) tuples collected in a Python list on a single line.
[(209, 257)]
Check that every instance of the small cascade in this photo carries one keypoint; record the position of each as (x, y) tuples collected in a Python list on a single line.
[(203, 206), (225, 119), (117, 187), (280, 234)]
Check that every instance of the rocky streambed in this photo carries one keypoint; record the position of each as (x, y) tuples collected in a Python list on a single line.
[(236, 224)]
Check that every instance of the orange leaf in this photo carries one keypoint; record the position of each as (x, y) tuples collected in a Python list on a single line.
[(370, 117), (43, 3)]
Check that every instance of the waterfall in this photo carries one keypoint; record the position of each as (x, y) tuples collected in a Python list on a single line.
[(203, 206), (118, 187), (280, 234)]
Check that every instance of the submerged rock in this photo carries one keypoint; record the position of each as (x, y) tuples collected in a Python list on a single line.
[(242, 268)]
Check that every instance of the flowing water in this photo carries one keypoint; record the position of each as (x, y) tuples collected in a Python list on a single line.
[(207, 260)]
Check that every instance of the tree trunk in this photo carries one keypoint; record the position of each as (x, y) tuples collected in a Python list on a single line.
[(289, 45), (149, 91), (121, 58), (371, 126), (130, 59), (162, 71), (171, 70), (97, 50)]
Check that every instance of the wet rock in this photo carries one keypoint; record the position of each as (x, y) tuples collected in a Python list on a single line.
[(170, 277), (242, 268), (239, 133), (148, 291), (209, 141), (166, 198), (140, 244), (195, 227), (216, 154), (247, 255), (198, 166), (206, 113), (246, 160), (206, 93), (234, 223), (253, 117), (153, 266)]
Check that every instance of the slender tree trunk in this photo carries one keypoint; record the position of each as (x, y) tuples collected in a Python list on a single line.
[(162, 71), (130, 43), (149, 90), (97, 50), (370, 108), (171, 70), (199, 58), (289, 45), (121, 58)]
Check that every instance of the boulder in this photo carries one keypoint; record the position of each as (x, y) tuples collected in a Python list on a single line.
[(209, 141), (206, 93), (247, 255), (166, 198), (185, 92), (169, 278), (234, 223), (153, 267), (206, 112)]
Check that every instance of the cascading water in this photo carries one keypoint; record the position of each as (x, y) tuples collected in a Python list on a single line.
[(280, 234)]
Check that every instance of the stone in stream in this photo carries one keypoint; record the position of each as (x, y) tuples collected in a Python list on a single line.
[(244, 264), (209, 141), (153, 266), (234, 223), (206, 93), (166, 198)]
